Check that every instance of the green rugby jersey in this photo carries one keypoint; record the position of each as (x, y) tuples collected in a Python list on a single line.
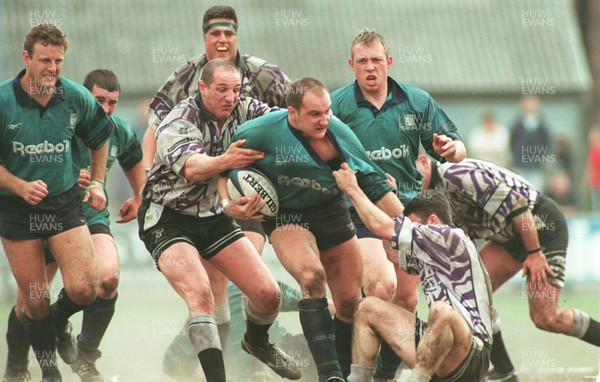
[(302, 179), (123, 146), (392, 134), (36, 142)]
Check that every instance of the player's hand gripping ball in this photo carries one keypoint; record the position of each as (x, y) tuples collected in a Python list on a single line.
[(247, 182)]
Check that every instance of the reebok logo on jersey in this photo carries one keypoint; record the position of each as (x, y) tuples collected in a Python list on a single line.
[(14, 126), (42, 148), (386, 154), (306, 183)]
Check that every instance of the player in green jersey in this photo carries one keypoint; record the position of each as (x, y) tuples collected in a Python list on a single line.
[(312, 234), (124, 147), (391, 119), (40, 114)]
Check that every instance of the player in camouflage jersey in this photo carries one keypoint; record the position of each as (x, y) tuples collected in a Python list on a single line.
[(457, 342), (124, 147), (182, 223), (391, 119), (40, 114), (312, 234), (522, 229), (261, 80)]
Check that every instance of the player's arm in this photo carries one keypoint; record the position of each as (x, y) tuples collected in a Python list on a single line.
[(536, 264), (31, 192), (375, 219), (96, 197), (149, 147), (201, 167), (136, 176)]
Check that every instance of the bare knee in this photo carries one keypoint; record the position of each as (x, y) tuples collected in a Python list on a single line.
[(108, 285), (407, 301), (367, 308), (439, 313), (37, 307), (384, 289), (267, 299), (544, 320), (312, 282), (200, 301)]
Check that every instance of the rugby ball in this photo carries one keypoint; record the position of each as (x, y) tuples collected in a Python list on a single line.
[(249, 181)]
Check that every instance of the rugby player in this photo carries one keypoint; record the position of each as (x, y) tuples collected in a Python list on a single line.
[(391, 119), (312, 234), (124, 147), (456, 344), (261, 80), (523, 230), (40, 114), (182, 224)]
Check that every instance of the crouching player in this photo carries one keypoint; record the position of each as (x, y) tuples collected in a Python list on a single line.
[(457, 342)]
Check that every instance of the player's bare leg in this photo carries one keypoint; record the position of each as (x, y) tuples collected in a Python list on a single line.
[(97, 316), (377, 320), (250, 274), (181, 266), (75, 256), (179, 361), (379, 278), (297, 251), (406, 296), (444, 346), (26, 260), (500, 267), (343, 268), (547, 315)]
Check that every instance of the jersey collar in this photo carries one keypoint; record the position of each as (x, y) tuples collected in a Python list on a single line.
[(395, 96), (26, 100)]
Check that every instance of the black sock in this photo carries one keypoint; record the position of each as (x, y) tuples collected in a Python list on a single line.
[(387, 362), (592, 335), (343, 345), (17, 340), (42, 335), (96, 318), (319, 331), (64, 308), (208, 359), (256, 335), (498, 356)]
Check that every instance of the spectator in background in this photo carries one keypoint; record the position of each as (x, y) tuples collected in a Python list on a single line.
[(530, 142), (489, 141), (564, 156), (593, 167), (560, 189)]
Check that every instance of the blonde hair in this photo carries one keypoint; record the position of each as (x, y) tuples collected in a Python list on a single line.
[(366, 36)]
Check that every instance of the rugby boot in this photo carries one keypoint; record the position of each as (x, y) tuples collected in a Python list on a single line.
[(16, 373), (85, 366), (274, 358)]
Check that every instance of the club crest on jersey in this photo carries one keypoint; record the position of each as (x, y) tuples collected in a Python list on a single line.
[(410, 121), (114, 150), (73, 120)]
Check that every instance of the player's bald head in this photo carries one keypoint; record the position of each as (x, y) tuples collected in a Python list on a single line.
[(214, 66), (299, 88)]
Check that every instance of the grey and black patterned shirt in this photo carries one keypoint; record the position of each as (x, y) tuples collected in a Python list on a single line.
[(450, 268), (484, 197), (186, 130), (261, 80)]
